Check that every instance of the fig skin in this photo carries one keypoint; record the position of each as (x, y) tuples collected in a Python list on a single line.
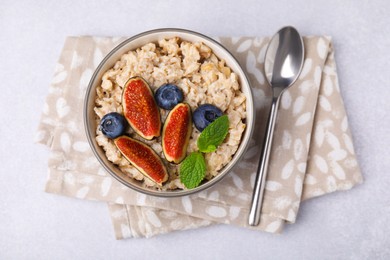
[(143, 157), (140, 108), (176, 133)]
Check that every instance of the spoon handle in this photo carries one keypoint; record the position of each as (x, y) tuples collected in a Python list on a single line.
[(258, 192)]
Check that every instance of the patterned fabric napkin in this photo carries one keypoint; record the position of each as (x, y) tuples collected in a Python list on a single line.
[(312, 151)]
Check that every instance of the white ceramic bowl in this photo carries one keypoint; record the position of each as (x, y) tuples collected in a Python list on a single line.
[(138, 41)]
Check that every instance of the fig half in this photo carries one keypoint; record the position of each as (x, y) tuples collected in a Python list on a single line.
[(144, 158), (140, 108), (176, 133)]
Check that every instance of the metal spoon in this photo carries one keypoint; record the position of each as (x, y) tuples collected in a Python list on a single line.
[(282, 66)]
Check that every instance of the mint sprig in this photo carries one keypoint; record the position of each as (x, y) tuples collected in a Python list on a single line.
[(192, 170), (213, 135)]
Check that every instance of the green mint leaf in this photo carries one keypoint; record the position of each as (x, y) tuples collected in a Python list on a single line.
[(192, 170), (213, 135)]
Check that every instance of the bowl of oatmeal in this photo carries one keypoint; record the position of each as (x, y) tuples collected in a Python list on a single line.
[(204, 72)]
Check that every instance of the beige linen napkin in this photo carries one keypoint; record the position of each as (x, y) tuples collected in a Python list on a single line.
[(312, 152)]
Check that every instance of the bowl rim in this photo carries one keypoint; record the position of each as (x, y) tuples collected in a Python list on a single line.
[(227, 168)]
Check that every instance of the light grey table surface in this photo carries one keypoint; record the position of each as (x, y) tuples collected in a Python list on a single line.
[(343, 225)]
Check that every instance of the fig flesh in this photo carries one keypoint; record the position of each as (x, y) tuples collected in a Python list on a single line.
[(140, 108), (142, 157), (176, 133)]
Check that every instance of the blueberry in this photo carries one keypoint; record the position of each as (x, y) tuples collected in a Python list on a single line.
[(204, 115), (168, 96), (113, 125)]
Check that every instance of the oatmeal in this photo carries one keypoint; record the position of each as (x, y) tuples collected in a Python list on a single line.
[(202, 77)]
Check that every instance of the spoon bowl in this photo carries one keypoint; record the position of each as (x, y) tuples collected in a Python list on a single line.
[(284, 59), (282, 66)]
